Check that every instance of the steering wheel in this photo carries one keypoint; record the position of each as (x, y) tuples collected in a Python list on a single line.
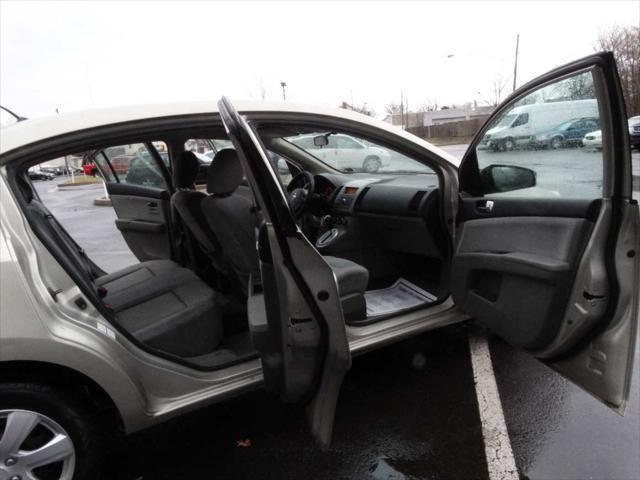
[(300, 189)]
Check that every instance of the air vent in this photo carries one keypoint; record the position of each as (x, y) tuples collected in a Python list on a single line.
[(414, 204), (360, 197)]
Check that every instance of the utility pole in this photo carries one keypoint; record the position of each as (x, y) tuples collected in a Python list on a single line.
[(284, 91), (515, 65), (401, 109)]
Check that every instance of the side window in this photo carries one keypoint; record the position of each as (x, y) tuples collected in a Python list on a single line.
[(522, 119), (283, 168), (532, 149), (134, 164)]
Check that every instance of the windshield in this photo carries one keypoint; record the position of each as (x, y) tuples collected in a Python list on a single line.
[(350, 154)]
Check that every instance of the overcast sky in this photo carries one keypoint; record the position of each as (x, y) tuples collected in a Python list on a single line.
[(76, 55)]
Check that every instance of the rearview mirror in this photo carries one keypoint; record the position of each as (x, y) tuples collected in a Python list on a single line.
[(506, 178), (321, 140)]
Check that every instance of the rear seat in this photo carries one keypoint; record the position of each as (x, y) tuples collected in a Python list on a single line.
[(160, 303), (164, 306)]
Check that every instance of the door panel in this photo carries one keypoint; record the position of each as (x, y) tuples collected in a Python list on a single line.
[(137, 182), (500, 259), (142, 219), (548, 261), (301, 335)]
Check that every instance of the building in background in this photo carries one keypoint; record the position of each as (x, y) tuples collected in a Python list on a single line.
[(439, 117)]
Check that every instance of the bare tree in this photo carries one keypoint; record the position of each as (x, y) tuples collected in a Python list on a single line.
[(624, 42), (430, 105), (262, 91), (493, 95), (393, 108)]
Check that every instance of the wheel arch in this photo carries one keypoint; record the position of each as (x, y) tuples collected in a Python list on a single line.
[(55, 375)]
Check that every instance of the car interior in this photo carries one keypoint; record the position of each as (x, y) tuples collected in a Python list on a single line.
[(195, 239)]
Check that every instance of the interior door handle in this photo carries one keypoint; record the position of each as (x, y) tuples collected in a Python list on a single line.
[(485, 206), (152, 204)]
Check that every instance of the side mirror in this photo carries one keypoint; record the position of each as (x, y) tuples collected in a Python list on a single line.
[(321, 141), (506, 178)]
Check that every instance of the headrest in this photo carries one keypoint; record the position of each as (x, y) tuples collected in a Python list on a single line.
[(186, 170), (225, 173)]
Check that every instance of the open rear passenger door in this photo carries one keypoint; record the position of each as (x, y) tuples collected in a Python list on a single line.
[(139, 186), (547, 237), (296, 322)]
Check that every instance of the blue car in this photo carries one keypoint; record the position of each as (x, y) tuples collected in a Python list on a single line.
[(566, 134)]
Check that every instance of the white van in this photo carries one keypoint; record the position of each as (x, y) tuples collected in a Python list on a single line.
[(519, 125)]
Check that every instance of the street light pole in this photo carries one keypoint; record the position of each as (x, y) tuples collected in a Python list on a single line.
[(515, 65), (284, 92)]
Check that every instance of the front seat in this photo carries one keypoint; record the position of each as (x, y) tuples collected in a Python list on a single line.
[(231, 217), (185, 203)]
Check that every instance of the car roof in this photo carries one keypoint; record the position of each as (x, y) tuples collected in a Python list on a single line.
[(33, 130)]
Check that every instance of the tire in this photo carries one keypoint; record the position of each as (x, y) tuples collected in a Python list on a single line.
[(556, 143), (508, 145), (52, 412), (371, 164)]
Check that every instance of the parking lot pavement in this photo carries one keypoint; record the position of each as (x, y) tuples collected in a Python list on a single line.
[(93, 227), (393, 421)]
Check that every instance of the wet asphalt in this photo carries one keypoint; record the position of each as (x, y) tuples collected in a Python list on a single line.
[(394, 420)]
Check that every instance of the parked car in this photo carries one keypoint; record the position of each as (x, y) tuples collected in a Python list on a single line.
[(344, 152), (634, 131), (593, 140), (56, 171), (244, 287), (566, 134), (41, 175), (521, 126), (89, 169)]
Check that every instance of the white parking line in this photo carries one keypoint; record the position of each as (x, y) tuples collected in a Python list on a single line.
[(497, 446)]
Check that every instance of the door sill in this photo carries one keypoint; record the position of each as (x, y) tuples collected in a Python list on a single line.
[(375, 335)]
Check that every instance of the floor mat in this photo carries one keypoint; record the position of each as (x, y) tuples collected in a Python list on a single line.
[(400, 296)]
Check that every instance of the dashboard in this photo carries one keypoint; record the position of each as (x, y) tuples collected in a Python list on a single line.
[(386, 196), (399, 213)]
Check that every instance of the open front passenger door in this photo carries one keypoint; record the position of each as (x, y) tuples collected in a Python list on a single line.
[(296, 321), (548, 233)]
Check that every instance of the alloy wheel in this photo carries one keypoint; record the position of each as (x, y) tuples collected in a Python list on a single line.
[(556, 143), (34, 447)]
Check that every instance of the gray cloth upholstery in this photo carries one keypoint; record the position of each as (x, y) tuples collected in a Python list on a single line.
[(232, 219), (186, 206), (225, 173), (352, 278), (158, 302), (186, 170), (165, 306)]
